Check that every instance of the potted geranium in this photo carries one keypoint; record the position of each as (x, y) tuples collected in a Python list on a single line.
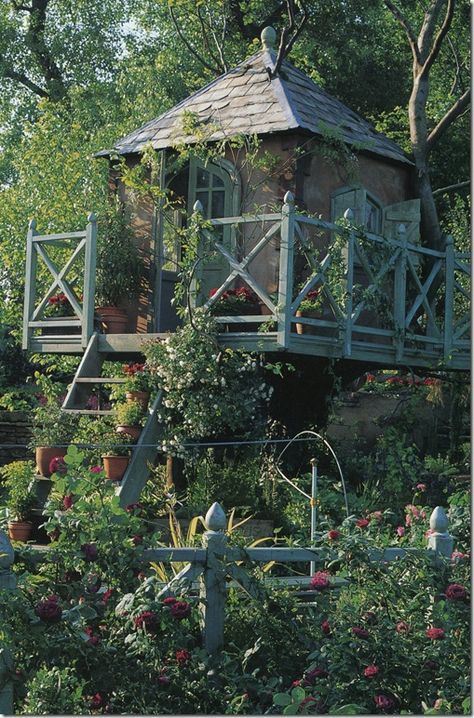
[(129, 418), (118, 273), (309, 307), (138, 383), (18, 479), (59, 307), (51, 434), (116, 455), (236, 302)]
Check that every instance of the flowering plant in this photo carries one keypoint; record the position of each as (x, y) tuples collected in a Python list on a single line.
[(312, 301), (138, 377), (59, 306), (235, 301)]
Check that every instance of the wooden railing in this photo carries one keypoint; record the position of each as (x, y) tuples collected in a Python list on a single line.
[(406, 300), (77, 245)]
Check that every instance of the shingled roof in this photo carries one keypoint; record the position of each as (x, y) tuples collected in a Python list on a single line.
[(245, 100)]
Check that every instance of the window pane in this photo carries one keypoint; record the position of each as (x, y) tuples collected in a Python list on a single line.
[(218, 203), (203, 178), (372, 215), (216, 181), (203, 197)]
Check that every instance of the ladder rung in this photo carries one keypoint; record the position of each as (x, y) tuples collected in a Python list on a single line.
[(99, 380), (91, 412)]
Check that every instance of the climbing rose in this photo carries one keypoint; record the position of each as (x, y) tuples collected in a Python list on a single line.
[(90, 552), (401, 531), (402, 627), (48, 610), (182, 656), (421, 487), (371, 671), (360, 632), (97, 701), (106, 596), (93, 640), (169, 600), (320, 580), (333, 534), (455, 592), (57, 465), (147, 620), (434, 633), (180, 610), (362, 523), (459, 555), (326, 628), (67, 502), (376, 516), (384, 702), (96, 469)]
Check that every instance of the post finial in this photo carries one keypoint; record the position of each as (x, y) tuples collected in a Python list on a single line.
[(197, 207), (268, 38), (215, 518), (402, 230), (349, 214), (91, 217), (289, 198), (439, 520), (449, 239), (32, 225)]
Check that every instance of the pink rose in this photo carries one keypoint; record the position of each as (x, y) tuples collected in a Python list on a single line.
[(434, 633), (362, 523), (384, 702), (333, 535), (455, 592), (401, 531), (421, 487), (371, 671), (320, 581), (402, 627)]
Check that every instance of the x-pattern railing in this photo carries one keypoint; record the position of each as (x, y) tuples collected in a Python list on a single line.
[(82, 246), (417, 286)]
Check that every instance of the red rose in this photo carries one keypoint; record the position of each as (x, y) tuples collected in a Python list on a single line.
[(48, 610), (67, 502), (384, 702), (180, 610), (311, 676), (106, 595), (362, 523), (402, 627), (97, 701), (57, 465), (296, 683), (360, 632), (137, 539), (164, 680), (148, 621), (182, 656), (333, 535), (455, 592), (434, 633), (371, 671), (90, 552), (369, 377), (320, 581), (326, 628), (169, 600)]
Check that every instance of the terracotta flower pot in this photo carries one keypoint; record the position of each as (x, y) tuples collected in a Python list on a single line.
[(304, 328), (19, 530), (133, 431), (112, 319), (115, 467), (44, 455), (143, 397)]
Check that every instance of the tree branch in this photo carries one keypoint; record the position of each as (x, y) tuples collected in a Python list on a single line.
[(191, 49), (448, 18), (25, 81), (403, 22), (293, 30), (451, 187), (461, 104)]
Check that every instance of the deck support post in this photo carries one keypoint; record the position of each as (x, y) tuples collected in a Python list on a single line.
[(7, 583), (285, 284), (399, 294), (89, 279), (448, 297), (30, 284), (349, 215), (213, 584)]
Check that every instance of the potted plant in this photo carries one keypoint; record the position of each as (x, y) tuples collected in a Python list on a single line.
[(138, 383), (236, 302), (118, 273), (18, 479), (309, 307), (51, 433), (59, 307), (129, 417), (116, 455)]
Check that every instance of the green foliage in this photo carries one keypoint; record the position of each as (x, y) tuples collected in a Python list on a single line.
[(54, 690), (129, 413), (19, 480)]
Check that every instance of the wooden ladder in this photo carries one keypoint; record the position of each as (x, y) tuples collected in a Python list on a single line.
[(145, 451)]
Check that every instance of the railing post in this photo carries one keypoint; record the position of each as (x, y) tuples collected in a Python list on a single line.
[(213, 586), (30, 283), (89, 279), (197, 271), (399, 293), (7, 583), (440, 540), (349, 216), (285, 284), (448, 297)]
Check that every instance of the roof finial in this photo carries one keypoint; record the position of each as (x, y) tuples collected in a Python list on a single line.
[(268, 38)]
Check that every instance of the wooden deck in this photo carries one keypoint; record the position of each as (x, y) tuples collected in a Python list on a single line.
[(382, 301)]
